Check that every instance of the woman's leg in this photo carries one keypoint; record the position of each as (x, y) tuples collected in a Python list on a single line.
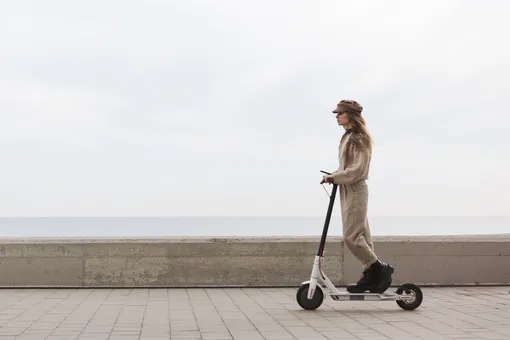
[(355, 223), (357, 237), (368, 239)]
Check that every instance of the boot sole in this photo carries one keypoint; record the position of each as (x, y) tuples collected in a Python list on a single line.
[(360, 290)]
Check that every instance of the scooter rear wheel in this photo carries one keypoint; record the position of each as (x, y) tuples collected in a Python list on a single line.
[(305, 302), (415, 291)]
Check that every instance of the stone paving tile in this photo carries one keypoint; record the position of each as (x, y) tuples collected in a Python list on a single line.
[(247, 314)]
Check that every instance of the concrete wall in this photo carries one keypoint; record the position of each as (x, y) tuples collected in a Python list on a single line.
[(174, 262)]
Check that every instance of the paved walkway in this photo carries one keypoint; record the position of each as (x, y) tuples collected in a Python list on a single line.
[(247, 314)]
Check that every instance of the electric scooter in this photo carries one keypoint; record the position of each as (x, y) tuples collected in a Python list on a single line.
[(311, 293)]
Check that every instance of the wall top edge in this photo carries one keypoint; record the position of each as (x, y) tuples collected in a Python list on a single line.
[(248, 239)]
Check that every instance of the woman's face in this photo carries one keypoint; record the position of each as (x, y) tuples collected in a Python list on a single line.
[(342, 118)]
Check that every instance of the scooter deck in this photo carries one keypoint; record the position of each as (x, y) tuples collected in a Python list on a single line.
[(346, 296)]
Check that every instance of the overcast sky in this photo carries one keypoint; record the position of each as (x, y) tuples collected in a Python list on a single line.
[(124, 108)]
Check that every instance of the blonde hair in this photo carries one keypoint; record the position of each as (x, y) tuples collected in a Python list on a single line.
[(360, 137)]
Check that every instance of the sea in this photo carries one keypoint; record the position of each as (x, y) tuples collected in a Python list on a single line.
[(234, 226)]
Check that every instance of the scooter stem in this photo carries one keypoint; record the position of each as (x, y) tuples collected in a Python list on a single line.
[(320, 251)]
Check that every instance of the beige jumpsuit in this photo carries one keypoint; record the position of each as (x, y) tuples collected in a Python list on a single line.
[(351, 179)]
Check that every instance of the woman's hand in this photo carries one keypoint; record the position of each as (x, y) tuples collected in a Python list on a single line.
[(327, 179)]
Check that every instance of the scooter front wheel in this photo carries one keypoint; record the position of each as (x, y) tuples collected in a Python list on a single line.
[(305, 302)]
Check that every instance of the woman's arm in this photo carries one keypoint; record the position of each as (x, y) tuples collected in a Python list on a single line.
[(355, 171)]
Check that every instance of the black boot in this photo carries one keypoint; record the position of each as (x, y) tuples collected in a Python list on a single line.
[(384, 272), (368, 281), (375, 279)]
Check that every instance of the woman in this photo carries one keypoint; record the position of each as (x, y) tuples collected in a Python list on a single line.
[(354, 156)]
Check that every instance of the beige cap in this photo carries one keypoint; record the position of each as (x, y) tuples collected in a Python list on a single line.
[(348, 105)]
